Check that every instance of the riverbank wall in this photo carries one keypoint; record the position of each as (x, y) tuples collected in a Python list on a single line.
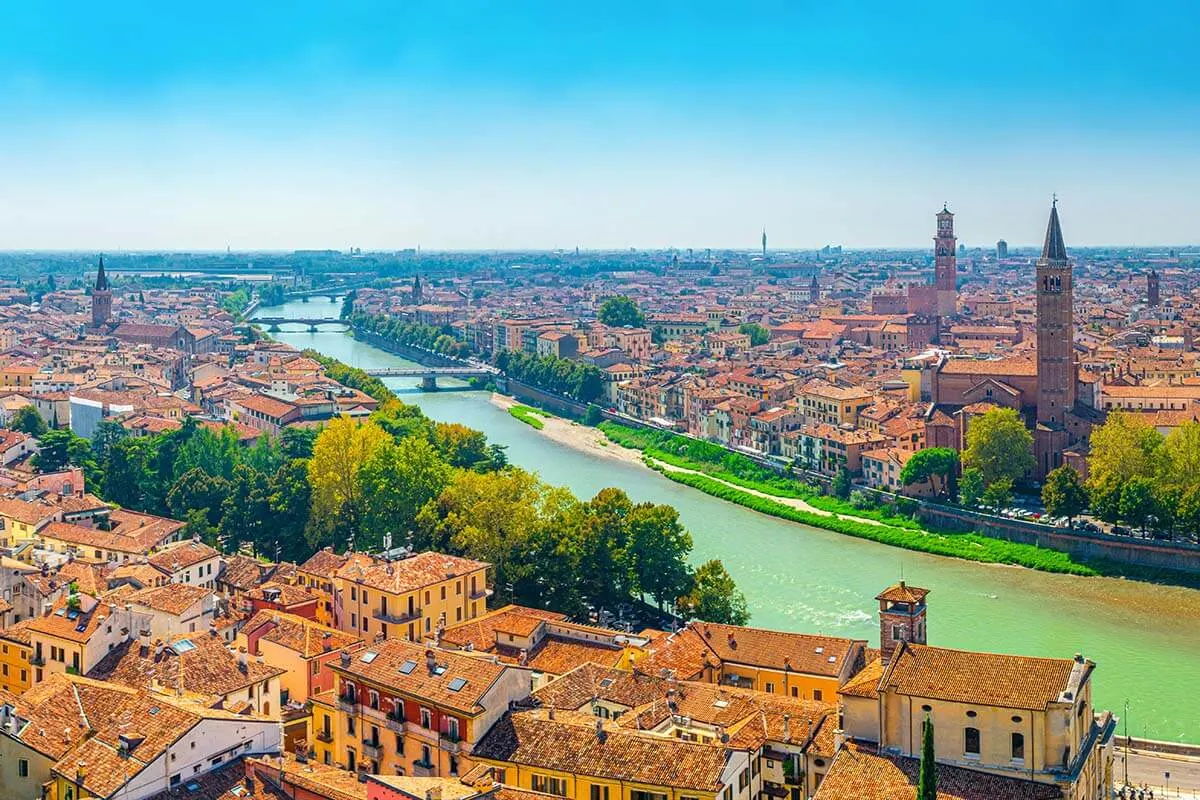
[(427, 358)]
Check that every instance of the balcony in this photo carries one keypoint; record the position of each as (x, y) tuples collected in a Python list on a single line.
[(372, 749), (423, 769), (396, 617), (449, 743), (38, 660), (479, 594), (347, 704), (325, 736), (393, 723)]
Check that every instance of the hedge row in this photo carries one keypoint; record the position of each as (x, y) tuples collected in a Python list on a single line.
[(970, 546)]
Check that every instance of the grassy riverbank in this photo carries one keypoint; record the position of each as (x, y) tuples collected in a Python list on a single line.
[(721, 468), (530, 416)]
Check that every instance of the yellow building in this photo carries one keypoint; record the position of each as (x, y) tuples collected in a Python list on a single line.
[(317, 574), (21, 520), (1017, 717), (408, 598), (796, 665), (585, 758), (400, 708), (16, 650)]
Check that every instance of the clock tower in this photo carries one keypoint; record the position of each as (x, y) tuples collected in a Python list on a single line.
[(945, 264)]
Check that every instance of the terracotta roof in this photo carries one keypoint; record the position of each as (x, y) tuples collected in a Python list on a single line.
[(991, 367), (174, 598), (384, 669), (902, 593), (182, 555), (865, 682), (480, 633), (859, 772), (799, 652), (989, 679), (298, 634), (324, 563), (208, 668), (531, 739), (409, 574)]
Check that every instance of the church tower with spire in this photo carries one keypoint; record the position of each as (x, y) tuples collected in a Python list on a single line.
[(1057, 375), (945, 265), (764, 242), (101, 298), (415, 294)]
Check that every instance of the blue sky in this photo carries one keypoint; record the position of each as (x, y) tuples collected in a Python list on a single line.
[(500, 125)]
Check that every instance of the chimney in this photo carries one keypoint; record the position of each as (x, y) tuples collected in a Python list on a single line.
[(242, 660), (600, 729), (434, 793), (430, 662), (787, 727), (158, 649), (325, 641), (839, 740), (523, 659), (345, 658)]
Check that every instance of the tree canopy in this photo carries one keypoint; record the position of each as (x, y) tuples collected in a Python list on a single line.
[(939, 465), (999, 446), (619, 311), (1063, 493)]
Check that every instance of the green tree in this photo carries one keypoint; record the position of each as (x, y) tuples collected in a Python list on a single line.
[(296, 443), (339, 454), (997, 493), (59, 449), (619, 311), (758, 334), (289, 496), (128, 472), (1123, 448), (462, 446), (657, 551), (927, 777), (714, 597), (939, 465), (397, 481), (1064, 494), (246, 511), (593, 416), (27, 420), (841, 483), (196, 489), (1137, 502), (970, 487), (999, 446)]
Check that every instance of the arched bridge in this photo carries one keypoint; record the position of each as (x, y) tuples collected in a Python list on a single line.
[(429, 375), (273, 323)]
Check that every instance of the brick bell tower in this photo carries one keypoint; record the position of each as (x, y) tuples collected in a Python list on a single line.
[(101, 298), (1056, 368), (945, 265), (901, 618)]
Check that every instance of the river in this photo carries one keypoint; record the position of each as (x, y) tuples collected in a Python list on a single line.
[(1145, 638)]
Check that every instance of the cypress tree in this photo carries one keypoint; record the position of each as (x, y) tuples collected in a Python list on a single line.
[(927, 779)]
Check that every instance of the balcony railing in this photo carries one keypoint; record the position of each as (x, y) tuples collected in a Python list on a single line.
[(394, 723), (477, 594), (372, 749), (347, 704), (396, 617), (325, 736), (451, 744), (424, 769), (38, 660)]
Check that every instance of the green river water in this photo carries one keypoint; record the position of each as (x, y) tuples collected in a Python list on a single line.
[(1145, 638)]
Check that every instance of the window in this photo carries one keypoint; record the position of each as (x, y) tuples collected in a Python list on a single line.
[(350, 725), (365, 601), (399, 745), (817, 694), (426, 755), (1018, 747), (426, 718), (598, 792), (971, 741), (353, 593), (353, 620), (549, 785), (743, 780), (770, 687), (22, 768), (896, 633), (443, 592)]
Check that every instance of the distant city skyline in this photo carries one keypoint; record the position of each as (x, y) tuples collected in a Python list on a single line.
[(539, 126)]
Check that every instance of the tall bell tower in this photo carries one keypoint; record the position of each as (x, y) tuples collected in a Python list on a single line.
[(1056, 368), (945, 264), (101, 298), (901, 618)]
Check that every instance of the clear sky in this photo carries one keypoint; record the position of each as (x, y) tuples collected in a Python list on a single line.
[(461, 125)]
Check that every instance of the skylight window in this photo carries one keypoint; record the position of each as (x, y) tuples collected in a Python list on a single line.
[(440, 669), (605, 683), (183, 646), (457, 684), (369, 656), (407, 667)]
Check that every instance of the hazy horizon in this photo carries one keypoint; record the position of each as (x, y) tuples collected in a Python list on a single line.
[(542, 126)]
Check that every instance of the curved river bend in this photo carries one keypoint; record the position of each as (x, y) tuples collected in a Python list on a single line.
[(1145, 638)]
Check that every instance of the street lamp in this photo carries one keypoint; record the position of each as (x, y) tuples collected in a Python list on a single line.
[(1126, 741)]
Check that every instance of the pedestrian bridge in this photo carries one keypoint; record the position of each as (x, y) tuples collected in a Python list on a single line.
[(273, 323), (429, 375)]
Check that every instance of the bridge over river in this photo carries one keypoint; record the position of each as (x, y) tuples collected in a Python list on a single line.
[(429, 375), (273, 323)]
